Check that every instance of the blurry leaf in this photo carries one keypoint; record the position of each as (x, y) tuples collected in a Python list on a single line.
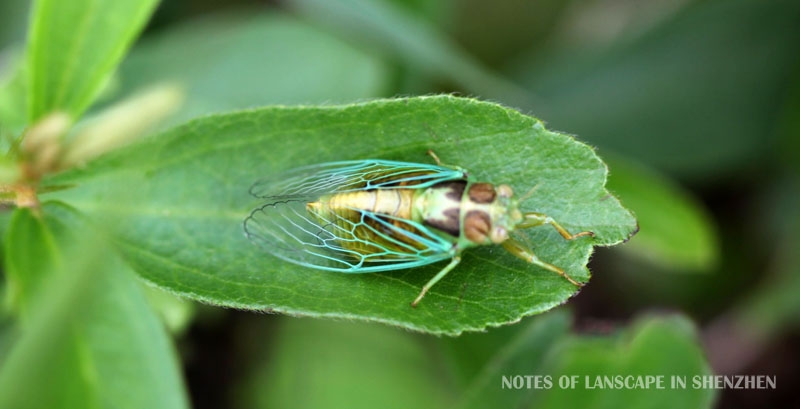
[(73, 48), (774, 306), (699, 94), (32, 258), (496, 31), (468, 354), (13, 19), (183, 228), (361, 366), (12, 101), (788, 147), (675, 230), (521, 355), (175, 312), (91, 339), (395, 32), (248, 60), (654, 346)]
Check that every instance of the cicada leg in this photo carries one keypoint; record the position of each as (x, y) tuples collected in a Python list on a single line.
[(435, 158), (533, 219), (518, 249), (454, 262), (439, 163)]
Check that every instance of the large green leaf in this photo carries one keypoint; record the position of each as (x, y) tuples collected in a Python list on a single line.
[(182, 227), (89, 338), (74, 46)]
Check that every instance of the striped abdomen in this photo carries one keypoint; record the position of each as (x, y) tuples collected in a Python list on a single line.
[(379, 216)]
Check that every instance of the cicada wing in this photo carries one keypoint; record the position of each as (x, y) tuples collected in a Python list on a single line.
[(286, 229), (348, 176), (358, 241), (350, 240)]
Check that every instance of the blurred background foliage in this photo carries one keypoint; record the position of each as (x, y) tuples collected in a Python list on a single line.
[(695, 104)]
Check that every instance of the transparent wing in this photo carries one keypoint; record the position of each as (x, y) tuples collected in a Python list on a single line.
[(339, 177), (348, 240)]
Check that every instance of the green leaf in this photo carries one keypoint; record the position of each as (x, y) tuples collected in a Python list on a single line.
[(12, 101), (13, 16), (182, 229), (90, 339), (73, 48), (700, 93), (666, 346), (677, 232), (542, 348), (361, 366), (521, 354), (773, 306), (32, 257), (389, 30), (244, 60)]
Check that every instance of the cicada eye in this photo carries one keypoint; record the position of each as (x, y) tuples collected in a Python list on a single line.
[(505, 191), (482, 193), (476, 226)]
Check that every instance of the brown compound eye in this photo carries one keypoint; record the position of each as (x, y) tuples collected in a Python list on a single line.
[(477, 226), (482, 193)]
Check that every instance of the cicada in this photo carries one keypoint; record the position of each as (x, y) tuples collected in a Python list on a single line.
[(377, 215)]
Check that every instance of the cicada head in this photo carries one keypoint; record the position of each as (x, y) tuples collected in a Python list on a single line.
[(493, 213)]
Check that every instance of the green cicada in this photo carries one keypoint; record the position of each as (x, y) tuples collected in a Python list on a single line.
[(377, 215)]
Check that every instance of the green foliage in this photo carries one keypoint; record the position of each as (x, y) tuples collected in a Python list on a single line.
[(701, 91), (73, 48), (252, 59), (89, 339), (631, 354), (468, 372), (695, 96), (187, 214), (362, 366), (675, 232)]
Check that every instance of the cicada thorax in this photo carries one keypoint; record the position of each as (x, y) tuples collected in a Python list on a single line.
[(472, 213)]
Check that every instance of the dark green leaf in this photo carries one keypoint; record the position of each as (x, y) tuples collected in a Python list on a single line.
[(90, 338), (182, 229), (774, 306), (523, 354), (390, 30), (700, 93), (13, 18), (74, 46)]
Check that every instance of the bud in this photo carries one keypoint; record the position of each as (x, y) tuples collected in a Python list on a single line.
[(122, 123)]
